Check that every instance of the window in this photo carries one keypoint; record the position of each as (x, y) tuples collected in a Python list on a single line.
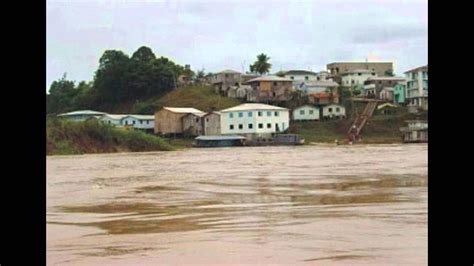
[(269, 125), (292, 77), (241, 126), (133, 122), (373, 74), (197, 120), (231, 127), (330, 110), (126, 122), (250, 126), (277, 113), (260, 125), (148, 122), (337, 109), (141, 122), (317, 78), (250, 114), (311, 112), (231, 115), (380, 82), (360, 74), (207, 119), (259, 113), (306, 78), (275, 83), (241, 114), (352, 81), (109, 122), (269, 113), (301, 112), (347, 82), (226, 75)]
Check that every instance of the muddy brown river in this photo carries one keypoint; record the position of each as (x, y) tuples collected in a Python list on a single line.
[(309, 205)]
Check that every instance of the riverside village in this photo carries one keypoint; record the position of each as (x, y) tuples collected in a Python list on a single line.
[(278, 108)]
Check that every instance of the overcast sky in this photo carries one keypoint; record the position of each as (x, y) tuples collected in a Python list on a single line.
[(217, 35)]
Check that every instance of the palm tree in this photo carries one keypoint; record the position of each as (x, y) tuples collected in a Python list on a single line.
[(262, 65)]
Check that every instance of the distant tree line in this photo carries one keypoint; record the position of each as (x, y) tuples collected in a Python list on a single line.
[(119, 79)]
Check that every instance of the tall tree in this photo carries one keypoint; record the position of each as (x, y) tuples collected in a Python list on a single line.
[(262, 65), (144, 54), (61, 95), (110, 78)]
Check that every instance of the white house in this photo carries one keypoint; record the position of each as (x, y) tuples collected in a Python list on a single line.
[(139, 121), (334, 111), (254, 118), (298, 75), (82, 115), (306, 112), (356, 77), (115, 120)]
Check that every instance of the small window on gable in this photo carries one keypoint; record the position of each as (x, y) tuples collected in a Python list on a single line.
[(301, 112)]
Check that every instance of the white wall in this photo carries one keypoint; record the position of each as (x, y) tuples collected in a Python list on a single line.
[(110, 121), (332, 110), (301, 77), (142, 124), (283, 121), (347, 79), (297, 113)]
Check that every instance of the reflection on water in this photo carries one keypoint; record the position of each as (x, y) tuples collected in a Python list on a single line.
[(291, 205)]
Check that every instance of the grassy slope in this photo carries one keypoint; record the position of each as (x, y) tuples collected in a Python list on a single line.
[(199, 97), (65, 137), (379, 129)]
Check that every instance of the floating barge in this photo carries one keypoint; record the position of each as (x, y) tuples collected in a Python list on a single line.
[(416, 132), (219, 141), (236, 140)]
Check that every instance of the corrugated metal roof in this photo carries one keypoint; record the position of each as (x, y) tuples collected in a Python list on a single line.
[(385, 78), (321, 83), (114, 117), (267, 78), (252, 106), (295, 71), (233, 137), (83, 112), (183, 110), (142, 117), (228, 71), (417, 69)]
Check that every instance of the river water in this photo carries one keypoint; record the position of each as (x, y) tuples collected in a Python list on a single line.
[(310, 205)]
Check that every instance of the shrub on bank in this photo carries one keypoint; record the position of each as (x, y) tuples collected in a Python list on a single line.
[(66, 137)]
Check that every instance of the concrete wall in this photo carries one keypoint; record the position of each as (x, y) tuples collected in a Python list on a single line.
[(167, 122), (306, 113), (192, 124), (301, 77), (334, 110), (212, 124), (340, 68), (352, 79), (272, 91), (280, 118)]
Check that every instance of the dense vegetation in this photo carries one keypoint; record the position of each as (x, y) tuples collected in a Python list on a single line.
[(66, 137), (119, 83)]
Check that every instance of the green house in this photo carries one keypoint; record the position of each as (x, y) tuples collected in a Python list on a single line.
[(399, 93)]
